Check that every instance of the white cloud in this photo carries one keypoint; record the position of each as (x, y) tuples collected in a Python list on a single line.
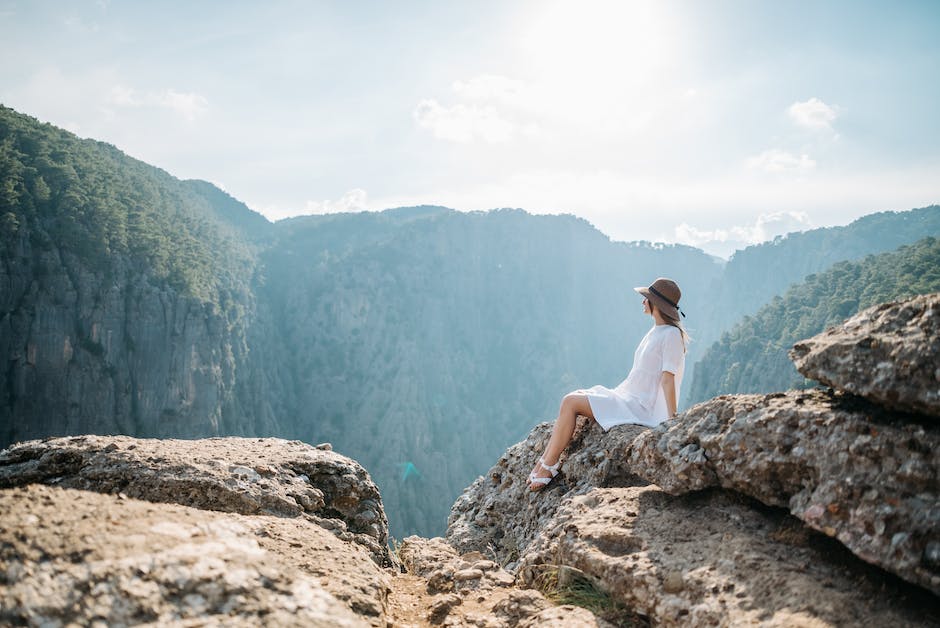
[(491, 87), (352, 201), (188, 105), (813, 114), (463, 123), (725, 241), (774, 160)]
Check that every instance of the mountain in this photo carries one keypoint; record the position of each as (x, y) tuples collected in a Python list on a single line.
[(752, 357), (756, 274), (125, 293), (419, 340)]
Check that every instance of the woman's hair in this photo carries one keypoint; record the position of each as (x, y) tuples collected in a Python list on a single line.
[(675, 322)]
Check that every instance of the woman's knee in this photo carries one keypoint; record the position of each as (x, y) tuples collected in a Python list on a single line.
[(575, 401)]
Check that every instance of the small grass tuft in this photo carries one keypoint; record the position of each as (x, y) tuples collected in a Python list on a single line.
[(580, 591)]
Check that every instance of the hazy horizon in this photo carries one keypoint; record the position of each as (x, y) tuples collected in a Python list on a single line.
[(716, 125)]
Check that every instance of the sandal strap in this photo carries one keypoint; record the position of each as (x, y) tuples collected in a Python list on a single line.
[(551, 468)]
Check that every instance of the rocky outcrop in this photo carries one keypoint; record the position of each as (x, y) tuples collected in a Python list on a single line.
[(843, 466), (249, 476), (712, 559), (686, 524), (887, 354), (70, 557), (499, 516), (228, 531)]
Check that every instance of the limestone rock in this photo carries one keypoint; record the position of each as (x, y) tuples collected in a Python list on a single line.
[(737, 565), (887, 354), (70, 557), (843, 466), (467, 591), (499, 516), (243, 475)]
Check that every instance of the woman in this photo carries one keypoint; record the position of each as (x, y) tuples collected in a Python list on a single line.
[(648, 395)]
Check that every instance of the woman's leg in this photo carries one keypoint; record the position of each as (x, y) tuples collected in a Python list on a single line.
[(572, 405)]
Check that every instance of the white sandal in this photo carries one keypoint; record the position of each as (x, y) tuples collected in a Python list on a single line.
[(542, 482)]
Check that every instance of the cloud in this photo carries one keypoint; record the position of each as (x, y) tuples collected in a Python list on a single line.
[(352, 201), (813, 114), (463, 123), (491, 87), (725, 241), (774, 160), (188, 105)]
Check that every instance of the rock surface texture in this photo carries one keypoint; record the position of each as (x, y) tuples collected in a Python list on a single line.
[(838, 463), (245, 475), (499, 516), (710, 559), (227, 531), (469, 590), (70, 557), (887, 354)]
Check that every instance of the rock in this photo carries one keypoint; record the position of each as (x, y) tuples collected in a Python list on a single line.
[(441, 607), (889, 354), (499, 515), (214, 474), (519, 605), (470, 591), (843, 466), (70, 557), (672, 582), (422, 556), (441, 581), (567, 615), (467, 574), (709, 558)]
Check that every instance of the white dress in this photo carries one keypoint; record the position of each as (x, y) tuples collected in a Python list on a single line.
[(640, 398)]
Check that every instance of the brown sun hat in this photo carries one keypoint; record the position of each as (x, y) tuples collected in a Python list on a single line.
[(665, 295)]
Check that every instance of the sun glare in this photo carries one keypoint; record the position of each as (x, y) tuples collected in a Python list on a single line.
[(592, 58), (616, 41)]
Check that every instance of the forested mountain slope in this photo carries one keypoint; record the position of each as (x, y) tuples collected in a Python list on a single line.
[(425, 341), (752, 357), (756, 274), (124, 297)]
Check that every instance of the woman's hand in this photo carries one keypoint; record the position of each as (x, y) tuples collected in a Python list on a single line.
[(668, 382)]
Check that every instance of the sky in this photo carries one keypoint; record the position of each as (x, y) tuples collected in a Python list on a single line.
[(711, 123)]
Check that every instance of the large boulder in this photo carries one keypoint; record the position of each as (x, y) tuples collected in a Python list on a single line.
[(889, 354), (499, 516), (243, 475), (713, 559), (852, 470), (71, 557)]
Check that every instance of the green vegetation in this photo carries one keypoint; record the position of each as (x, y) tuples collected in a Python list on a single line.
[(752, 357), (577, 590), (92, 201)]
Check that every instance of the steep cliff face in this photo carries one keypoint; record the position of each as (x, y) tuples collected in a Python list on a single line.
[(117, 354), (124, 293)]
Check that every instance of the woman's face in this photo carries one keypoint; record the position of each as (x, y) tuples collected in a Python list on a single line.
[(647, 308)]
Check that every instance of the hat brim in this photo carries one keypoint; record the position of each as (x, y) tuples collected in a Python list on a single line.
[(661, 305)]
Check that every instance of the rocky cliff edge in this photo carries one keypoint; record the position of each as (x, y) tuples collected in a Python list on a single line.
[(816, 507)]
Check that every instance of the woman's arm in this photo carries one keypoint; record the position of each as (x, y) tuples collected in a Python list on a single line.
[(668, 382)]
